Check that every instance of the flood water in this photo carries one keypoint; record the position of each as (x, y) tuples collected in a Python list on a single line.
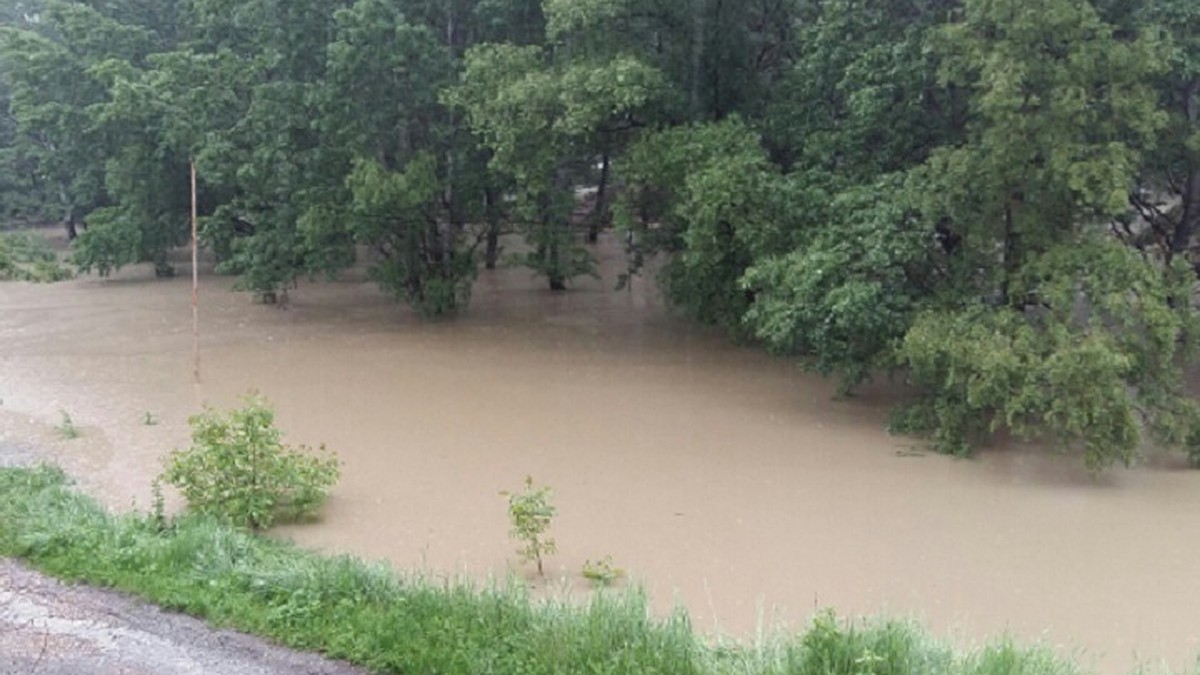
[(718, 477)]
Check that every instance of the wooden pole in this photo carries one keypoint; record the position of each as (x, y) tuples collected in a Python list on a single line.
[(195, 282)]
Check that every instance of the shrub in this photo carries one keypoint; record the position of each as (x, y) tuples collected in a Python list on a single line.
[(26, 256), (239, 471)]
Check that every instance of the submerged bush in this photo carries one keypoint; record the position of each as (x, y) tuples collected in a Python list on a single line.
[(239, 471), (28, 257)]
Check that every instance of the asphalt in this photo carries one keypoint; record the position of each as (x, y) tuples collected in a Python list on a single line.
[(48, 627)]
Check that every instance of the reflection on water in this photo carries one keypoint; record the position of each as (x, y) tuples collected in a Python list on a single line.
[(721, 478)]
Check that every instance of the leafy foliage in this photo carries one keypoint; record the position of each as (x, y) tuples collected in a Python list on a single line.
[(111, 241), (601, 572), (28, 257), (532, 116), (396, 213), (708, 194), (1088, 368), (239, 471), (530, 513), (849, 295)]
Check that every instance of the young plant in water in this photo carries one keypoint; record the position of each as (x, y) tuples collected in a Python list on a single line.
[(67, 427), (530, 513), (601, 572)]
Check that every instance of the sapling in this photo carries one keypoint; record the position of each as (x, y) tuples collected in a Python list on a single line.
[(530, 512)]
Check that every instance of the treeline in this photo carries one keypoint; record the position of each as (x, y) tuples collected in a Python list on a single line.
[(996, 198)]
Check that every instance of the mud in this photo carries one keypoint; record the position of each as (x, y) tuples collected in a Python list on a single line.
[(720, 478)]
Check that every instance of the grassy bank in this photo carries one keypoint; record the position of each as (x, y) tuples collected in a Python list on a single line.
[(395, 624)]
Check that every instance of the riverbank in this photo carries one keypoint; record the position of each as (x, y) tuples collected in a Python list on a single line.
[(718, 477), (390, 623)]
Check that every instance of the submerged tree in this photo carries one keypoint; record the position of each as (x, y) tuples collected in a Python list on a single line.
[(1052, 327), (536, 110), (997, 200)]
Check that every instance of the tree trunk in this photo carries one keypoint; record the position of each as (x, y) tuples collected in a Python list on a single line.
[(71, 224), (434, 244), (718, 106), (554, 267), (698, 29), (493, 232), (1190, 220), (70, 219), (599, 211), (1010, 260)]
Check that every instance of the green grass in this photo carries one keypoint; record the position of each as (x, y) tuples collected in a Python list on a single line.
[(392, 623)]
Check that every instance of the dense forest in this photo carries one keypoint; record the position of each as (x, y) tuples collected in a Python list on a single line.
[(994, 199)]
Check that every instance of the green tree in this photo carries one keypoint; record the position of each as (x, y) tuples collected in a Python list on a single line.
[(862, 97), (90, 130), (847, 295), (1168, 198), (1051, 327), (263, 157), (409, 185), (707, 196), (52, 89), (531, 114)]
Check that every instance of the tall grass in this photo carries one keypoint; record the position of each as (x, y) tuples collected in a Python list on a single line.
[(392, 623)]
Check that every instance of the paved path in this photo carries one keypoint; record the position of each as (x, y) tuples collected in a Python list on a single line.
[(51, 628)]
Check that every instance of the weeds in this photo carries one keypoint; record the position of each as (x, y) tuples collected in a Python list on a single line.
[(66, 427), (601, 572), (158, 505)]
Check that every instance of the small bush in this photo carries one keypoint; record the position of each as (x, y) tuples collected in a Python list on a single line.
[(239, 471), (601, 572)]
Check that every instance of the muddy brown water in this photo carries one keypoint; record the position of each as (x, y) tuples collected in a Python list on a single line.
[(720, 478)]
